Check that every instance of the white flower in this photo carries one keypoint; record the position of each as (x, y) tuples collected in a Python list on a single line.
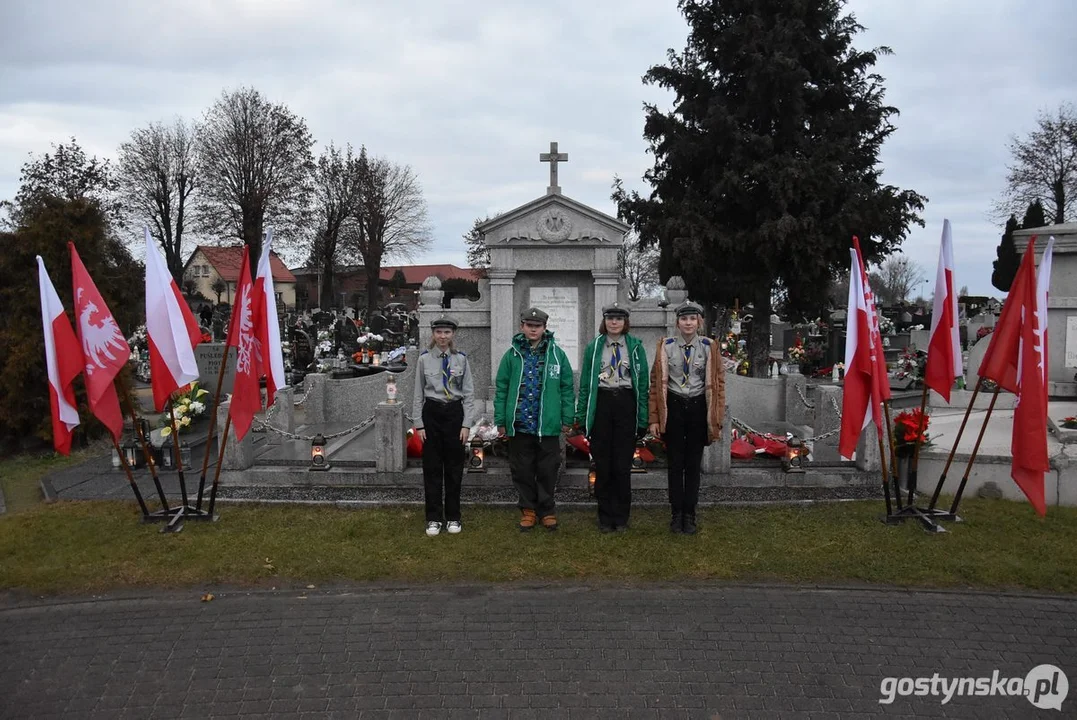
[(197, 408)]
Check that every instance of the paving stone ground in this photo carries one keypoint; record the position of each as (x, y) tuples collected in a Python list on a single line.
[(525, 652)]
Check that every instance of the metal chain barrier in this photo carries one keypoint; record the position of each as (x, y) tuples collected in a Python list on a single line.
[(744, 426), (810, 406), (263, 426), (301, 400)]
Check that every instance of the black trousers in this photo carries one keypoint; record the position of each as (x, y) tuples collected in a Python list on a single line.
[(613, 442), (534, 462), (443, 459), (686, 436)]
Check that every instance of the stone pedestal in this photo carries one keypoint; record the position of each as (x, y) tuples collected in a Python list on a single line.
[(389, 426), (238, 454), (827, 419), (867, 450), (796, 412), (281, 414), (315, 402), (716, 456)]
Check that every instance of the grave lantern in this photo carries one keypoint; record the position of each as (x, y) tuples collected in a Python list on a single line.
[(637, 462), (477, 457), (390, 388), (318, 459), (131, 454), (592, 473), (793, 462)]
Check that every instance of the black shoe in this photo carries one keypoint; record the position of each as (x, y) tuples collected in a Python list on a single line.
[(676, 524), (689, 524)]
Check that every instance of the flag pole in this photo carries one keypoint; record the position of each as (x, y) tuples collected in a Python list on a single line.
[(975, 450), (220, 461), (913, 467), (953, 450), (146, 454), (893, 454), (130, 478), (213, 419), (886, 477), (178, 461)]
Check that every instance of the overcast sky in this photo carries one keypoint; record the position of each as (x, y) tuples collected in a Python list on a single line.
[(469, 94)]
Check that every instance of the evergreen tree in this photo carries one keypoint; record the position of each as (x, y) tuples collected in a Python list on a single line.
[(1034, 216), (1008, 259), (767, 164)]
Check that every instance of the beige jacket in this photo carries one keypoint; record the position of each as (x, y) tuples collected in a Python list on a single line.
[(715, 389)]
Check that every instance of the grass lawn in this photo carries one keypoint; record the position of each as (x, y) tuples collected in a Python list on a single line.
[(83, 547), (20, 475)]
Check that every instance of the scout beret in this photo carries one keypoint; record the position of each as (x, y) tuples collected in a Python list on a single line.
[(534, 315), (443, 321), (614, 311), (689, 308)]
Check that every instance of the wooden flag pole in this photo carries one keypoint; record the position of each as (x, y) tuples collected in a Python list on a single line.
[(916, 451), (130, 478), (146, 454), (886, 477), (213, 418), (975, 450), (220, 461), (893, 454), (953, 450)]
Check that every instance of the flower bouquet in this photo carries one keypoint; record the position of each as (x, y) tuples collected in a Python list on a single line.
[(188, 404), (797, 353), (1070, 423), (909, 432)]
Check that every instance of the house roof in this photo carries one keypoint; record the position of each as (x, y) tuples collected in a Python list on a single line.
[(413, 274), (227, 260)]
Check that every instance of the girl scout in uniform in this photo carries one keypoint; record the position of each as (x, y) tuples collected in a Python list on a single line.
[(445, 410), (686, 408), (612, 410)]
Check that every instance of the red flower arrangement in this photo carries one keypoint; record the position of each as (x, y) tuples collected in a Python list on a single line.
[(910, 430)]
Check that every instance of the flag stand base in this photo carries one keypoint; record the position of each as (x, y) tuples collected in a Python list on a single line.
[(177, 515), (928, 518)]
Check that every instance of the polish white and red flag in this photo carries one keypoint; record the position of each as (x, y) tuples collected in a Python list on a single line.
[(63, 361), (103, 346), (171, 330), (268, 330), (242, 334), (866, 383), (944, 349)]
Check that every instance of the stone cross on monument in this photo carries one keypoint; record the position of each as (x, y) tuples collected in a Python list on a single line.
[(553, 157)]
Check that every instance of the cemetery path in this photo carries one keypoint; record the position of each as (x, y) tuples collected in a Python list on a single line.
[(526, 652)]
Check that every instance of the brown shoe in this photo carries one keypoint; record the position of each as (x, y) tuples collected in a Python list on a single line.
[(527, 519), (549, 522)]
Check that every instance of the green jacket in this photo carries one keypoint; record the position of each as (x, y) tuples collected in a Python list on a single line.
[(558, 398), (592, 362)]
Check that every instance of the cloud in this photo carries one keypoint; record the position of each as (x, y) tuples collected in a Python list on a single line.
[(469, 95)]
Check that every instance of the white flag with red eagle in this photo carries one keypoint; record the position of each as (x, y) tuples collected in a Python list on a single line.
[(103, 346)]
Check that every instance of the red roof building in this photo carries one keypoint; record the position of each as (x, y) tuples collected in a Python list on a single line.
[(208, 263)]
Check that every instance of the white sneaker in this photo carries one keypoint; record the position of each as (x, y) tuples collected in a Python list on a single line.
[(433, 528), (455, 527)]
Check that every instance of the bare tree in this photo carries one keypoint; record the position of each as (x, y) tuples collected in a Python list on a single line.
[(1044, 166), (896, 279), (391, 221), (255, 166), (338, 179), (157, 179), (638, 266)]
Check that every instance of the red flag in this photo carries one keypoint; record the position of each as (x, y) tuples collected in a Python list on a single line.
[(103, 346), (268, 331), (866, 383), (1029, 441), (171, 330), (944, 348), (63, 361), (246, 395)]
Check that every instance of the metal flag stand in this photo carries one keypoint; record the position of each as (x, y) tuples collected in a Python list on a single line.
[(186, 511), (905, 511)]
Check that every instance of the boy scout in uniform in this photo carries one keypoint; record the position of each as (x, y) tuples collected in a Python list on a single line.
[(533, 405), (686, 408), (444, 410)]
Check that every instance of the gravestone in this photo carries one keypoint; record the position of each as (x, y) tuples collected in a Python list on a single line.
[(557, 254), (209, 357), (302, 350)]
